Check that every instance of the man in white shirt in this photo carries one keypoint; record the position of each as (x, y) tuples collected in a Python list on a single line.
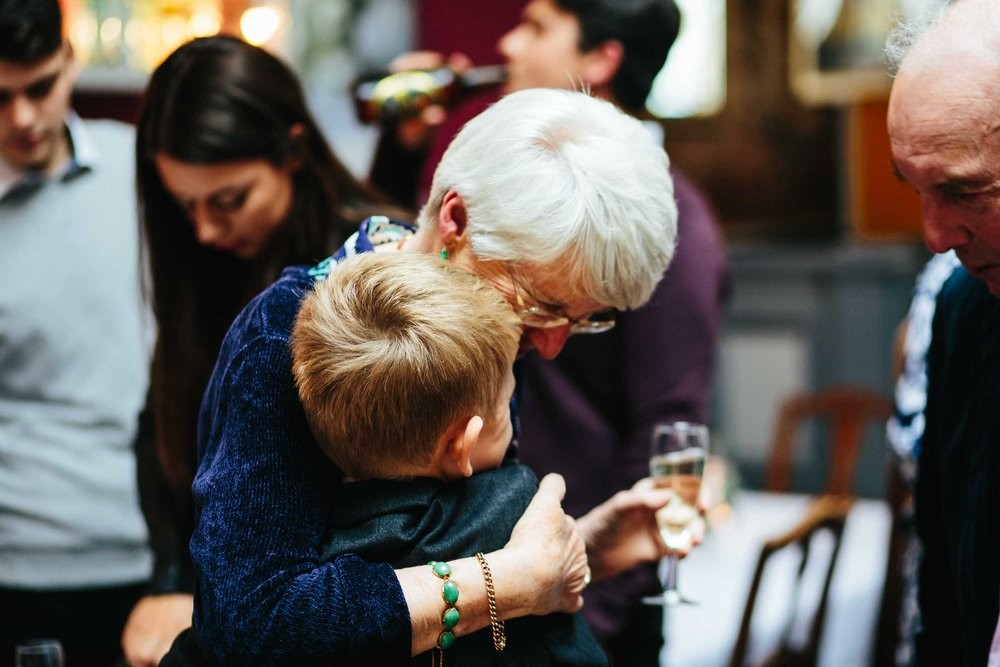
[(74, 354)]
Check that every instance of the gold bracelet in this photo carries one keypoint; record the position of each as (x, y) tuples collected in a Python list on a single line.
[(499, 637)]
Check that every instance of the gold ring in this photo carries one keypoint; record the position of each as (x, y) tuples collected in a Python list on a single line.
[(586, 578)]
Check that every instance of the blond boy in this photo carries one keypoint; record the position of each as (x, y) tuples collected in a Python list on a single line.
[(403, 367)]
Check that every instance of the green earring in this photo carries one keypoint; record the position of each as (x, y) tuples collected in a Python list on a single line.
[(444, 254)]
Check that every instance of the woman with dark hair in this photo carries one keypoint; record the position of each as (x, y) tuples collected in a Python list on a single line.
[(235, 181)]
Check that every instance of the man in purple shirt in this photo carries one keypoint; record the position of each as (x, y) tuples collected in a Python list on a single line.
[(588, 414)]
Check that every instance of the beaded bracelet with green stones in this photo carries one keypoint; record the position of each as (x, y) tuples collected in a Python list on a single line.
[(449, 592)]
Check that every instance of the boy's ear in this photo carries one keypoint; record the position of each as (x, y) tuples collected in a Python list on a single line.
[(461, 445)]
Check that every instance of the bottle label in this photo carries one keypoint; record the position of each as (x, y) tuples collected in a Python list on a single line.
[(406, 93)]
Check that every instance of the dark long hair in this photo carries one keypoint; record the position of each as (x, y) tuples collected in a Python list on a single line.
[(215, 100)]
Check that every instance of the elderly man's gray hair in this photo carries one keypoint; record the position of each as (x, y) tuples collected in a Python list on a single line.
[(911, 25)]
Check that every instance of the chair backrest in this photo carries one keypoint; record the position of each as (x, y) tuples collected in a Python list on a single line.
[(848, 410), (826, 513)]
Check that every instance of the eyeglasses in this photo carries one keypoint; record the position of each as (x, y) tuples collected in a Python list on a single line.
[(538, 317)]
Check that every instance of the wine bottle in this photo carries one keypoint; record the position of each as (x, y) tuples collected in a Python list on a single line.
[(389, 97)]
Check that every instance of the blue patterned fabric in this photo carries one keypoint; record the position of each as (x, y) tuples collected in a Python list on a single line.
[(906, 427), (905, 430), (374, 233)]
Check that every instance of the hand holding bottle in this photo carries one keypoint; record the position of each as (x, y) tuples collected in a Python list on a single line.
[(414, 95), (415, 132)]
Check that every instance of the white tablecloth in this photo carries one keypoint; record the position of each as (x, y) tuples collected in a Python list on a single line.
[(718, 574)]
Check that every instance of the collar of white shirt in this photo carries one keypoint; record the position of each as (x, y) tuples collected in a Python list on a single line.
[(83, 155)]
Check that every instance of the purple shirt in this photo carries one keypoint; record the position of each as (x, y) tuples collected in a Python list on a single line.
[(588, 413)]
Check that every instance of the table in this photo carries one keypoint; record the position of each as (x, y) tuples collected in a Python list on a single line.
[(718, 574)]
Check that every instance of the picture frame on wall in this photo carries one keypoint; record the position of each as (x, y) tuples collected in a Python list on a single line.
[(835, 50), (837, 58)]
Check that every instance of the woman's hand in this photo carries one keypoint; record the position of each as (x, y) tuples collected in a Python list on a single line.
[(621, 532), (542, 569), (154, 623), (551, 551)]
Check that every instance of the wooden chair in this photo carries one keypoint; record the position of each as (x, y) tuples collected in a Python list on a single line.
[(827, 513), (848, 410)]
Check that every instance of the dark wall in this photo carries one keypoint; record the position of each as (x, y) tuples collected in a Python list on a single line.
[(769, 164), (95, 104), (472, 28)]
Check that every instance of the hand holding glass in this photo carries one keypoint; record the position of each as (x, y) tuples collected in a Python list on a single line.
[(677, 461)]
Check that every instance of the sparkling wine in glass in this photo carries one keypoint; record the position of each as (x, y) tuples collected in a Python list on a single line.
[(677, 461)]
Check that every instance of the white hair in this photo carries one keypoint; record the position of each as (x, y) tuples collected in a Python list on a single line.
[(973, 28), (562, 180), (910, 26)]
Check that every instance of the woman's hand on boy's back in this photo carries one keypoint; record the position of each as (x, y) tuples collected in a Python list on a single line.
[(549, 557)]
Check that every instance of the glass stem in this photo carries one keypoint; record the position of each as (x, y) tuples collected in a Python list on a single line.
[(670, 576)]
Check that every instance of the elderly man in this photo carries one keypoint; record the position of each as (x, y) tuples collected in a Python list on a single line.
[(944, 117)]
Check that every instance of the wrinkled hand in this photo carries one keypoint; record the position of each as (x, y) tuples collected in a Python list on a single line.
[(552, 551), (621, 532), (416, 133), (154, 623)]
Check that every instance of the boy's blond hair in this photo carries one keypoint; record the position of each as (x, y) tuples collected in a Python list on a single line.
[(392, 349)]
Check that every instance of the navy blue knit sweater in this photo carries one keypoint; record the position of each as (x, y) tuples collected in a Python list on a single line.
[(263, 502)]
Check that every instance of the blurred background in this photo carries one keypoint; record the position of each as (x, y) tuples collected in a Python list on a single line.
[(776, 109), (778, 114)]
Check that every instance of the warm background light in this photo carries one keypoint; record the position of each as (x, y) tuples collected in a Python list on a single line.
[(260, 24), (135, 37)]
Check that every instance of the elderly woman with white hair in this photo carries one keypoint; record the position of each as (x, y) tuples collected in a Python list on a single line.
[(563, 204)]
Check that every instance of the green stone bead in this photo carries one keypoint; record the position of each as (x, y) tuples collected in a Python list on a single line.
[(450, 618), (446, 640), (449, 592), (441, 569)]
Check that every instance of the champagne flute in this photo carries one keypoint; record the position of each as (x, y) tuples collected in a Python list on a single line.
[(39, 653), (677, 460)]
